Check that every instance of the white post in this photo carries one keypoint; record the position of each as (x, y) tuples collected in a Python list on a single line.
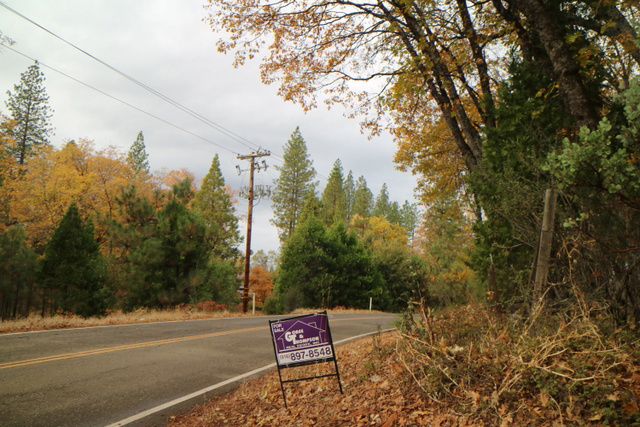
[(370, 303), (253, 306)]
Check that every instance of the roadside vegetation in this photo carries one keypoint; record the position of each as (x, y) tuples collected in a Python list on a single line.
[(521, 260), (62, 320), (457, 367)]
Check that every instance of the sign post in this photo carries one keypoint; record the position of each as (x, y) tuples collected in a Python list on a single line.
[(303, 340)]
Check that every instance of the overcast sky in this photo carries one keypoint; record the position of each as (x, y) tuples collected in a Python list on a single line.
[(166, 45)]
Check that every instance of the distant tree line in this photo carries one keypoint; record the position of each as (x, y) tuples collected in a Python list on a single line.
[(83, 231), (342, 247)]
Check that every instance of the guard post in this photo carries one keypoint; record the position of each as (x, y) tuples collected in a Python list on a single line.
[(303, 340)]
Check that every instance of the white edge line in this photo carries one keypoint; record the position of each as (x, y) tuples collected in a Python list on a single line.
[(179, 400)]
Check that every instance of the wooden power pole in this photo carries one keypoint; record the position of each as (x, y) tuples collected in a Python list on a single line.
[(253, 164)]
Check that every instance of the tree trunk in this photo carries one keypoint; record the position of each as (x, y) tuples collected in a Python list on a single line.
[(566, 70)]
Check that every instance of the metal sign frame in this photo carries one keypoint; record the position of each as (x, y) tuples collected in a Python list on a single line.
[(303, 340)]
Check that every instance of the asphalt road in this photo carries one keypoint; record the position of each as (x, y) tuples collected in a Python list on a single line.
[(99, 376)]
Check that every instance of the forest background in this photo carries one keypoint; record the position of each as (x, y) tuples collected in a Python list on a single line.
[(491, 106), (508, 112)]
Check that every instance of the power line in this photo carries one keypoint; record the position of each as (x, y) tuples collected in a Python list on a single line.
[(219, 128), (118, 99), (230, 134)]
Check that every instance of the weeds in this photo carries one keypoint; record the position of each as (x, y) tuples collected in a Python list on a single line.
[(497, 370)]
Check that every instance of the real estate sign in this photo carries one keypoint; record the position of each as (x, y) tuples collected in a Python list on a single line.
[(302, 339)]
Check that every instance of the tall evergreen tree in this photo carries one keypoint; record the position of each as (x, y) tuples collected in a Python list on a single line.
[(383, 203), (395, 215), (292, 186), (214, 204), (363, 199), (410, 218), (17, 272), (138, 158), (73, 267), (324, 267), (312, 206), (333, 196), (29, 106), (349, 195), (167, 259)]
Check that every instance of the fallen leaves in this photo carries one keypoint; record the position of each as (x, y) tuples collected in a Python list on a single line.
[(487, 384)]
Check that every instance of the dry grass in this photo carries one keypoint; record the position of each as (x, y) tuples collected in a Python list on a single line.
[(38, 323), (462, 367)]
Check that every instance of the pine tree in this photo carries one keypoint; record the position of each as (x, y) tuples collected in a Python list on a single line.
[(333, 196), (383, 204), (410, 218), (292, 186), (349, 195), (214, 204), (363, 199), (312, 206), (138, 158), (395, 215), (29, 106), (17, 273), (74, 268)]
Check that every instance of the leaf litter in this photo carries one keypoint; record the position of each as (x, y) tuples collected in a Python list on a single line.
[(462, 367)]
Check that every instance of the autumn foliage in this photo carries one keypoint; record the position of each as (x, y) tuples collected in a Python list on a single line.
[(260, 283), (157, 250)]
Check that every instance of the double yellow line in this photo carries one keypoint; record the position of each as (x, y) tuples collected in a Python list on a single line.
[(66, 356), (85, 353)]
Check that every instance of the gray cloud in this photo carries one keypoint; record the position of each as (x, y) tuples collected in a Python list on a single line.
[(166, 45)]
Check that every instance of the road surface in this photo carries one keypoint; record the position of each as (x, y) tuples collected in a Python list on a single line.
[(99, 376)]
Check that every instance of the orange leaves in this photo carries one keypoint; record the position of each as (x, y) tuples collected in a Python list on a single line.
[(311, 46), (167, 179), (261, 283), (55, 178)]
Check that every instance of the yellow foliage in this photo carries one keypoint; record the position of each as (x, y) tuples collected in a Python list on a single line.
[(55, 178), (9, 170), (378, 230)]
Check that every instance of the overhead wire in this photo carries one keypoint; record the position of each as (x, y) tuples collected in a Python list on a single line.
[(232, 135), (118, 99)]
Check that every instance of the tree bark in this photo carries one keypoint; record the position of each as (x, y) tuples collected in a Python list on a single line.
[(565, 68)]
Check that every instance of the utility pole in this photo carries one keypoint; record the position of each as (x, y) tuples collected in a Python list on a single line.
[(253, 164)]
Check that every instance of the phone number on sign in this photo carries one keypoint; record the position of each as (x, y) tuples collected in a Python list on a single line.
[(305, 355)]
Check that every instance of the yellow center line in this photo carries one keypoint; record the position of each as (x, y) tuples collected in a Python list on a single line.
[(105, 350), (121, 348)]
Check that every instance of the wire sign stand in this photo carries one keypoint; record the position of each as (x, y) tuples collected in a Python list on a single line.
[(303, 340)]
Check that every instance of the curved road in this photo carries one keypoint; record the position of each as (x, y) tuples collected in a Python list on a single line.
[(99, 376)]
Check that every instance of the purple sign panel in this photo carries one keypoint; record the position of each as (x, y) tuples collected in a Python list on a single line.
[(302, 339)]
